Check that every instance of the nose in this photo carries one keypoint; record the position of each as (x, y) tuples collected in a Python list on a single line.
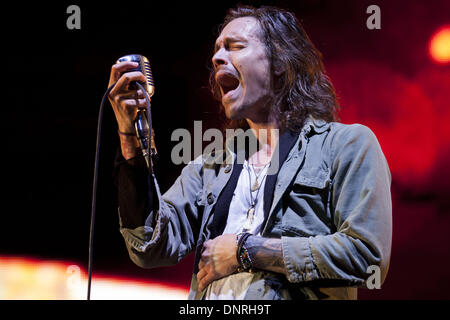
[(219, 58)]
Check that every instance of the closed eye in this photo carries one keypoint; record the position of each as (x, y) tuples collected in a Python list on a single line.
[(236, 47), (230, 43)]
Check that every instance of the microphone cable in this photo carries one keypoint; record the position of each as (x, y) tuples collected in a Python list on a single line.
[(94, 188), (96, 166)]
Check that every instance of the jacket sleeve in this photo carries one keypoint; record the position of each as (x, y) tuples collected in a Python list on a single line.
[(135, 190), (169, 230), (362, 214)]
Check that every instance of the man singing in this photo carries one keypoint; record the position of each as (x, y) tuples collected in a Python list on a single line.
[(307, 226)]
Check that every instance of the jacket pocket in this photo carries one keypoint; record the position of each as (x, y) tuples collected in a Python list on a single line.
[(306, 205)]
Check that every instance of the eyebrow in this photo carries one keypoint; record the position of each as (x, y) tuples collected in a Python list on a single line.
[(231, 38)]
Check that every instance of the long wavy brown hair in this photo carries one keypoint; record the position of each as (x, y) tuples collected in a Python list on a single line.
[(303, 88)]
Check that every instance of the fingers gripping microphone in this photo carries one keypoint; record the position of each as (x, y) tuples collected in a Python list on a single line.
[(144, 67), (143, 121)]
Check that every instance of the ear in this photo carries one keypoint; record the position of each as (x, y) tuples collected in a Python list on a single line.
[(278, 69), (278, 72)]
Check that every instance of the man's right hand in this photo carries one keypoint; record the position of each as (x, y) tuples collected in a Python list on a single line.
[(125, 103)]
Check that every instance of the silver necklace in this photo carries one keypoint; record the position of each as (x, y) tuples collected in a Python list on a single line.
[(256, 184), (256, 187)]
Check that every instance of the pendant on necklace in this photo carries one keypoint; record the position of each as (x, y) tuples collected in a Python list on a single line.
[(255, 185), (250, 215)]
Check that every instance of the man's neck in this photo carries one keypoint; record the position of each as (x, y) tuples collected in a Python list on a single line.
[(267, 133)]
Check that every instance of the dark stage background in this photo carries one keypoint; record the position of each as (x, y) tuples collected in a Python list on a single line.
[(55, 79)]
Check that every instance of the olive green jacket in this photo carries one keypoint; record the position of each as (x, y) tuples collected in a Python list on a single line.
[(331, 208)]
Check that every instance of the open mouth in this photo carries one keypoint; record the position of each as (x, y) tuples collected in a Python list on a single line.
[(227, 82)]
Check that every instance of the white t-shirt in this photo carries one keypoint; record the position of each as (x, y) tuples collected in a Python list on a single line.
[(235, 286)]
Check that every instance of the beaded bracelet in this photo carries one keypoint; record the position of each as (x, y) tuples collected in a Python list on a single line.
[(242, 255)]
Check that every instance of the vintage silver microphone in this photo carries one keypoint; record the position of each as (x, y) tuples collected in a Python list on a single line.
[(143, 121)]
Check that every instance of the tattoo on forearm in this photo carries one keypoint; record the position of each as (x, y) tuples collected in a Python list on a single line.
[(266, 253)]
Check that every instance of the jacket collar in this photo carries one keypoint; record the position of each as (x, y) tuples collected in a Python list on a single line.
[(314, 125)]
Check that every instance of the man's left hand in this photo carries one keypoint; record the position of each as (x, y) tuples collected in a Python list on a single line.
[(218, 260)]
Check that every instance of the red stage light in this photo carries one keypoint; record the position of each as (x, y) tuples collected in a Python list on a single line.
[(439, 47)]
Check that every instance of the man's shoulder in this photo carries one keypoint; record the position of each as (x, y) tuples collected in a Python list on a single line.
[(348, 142), (334, 135), (341, 133), (320, 126), (354, 129)]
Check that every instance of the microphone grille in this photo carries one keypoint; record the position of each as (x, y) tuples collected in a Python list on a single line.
[(144, 67), (148, 73)]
